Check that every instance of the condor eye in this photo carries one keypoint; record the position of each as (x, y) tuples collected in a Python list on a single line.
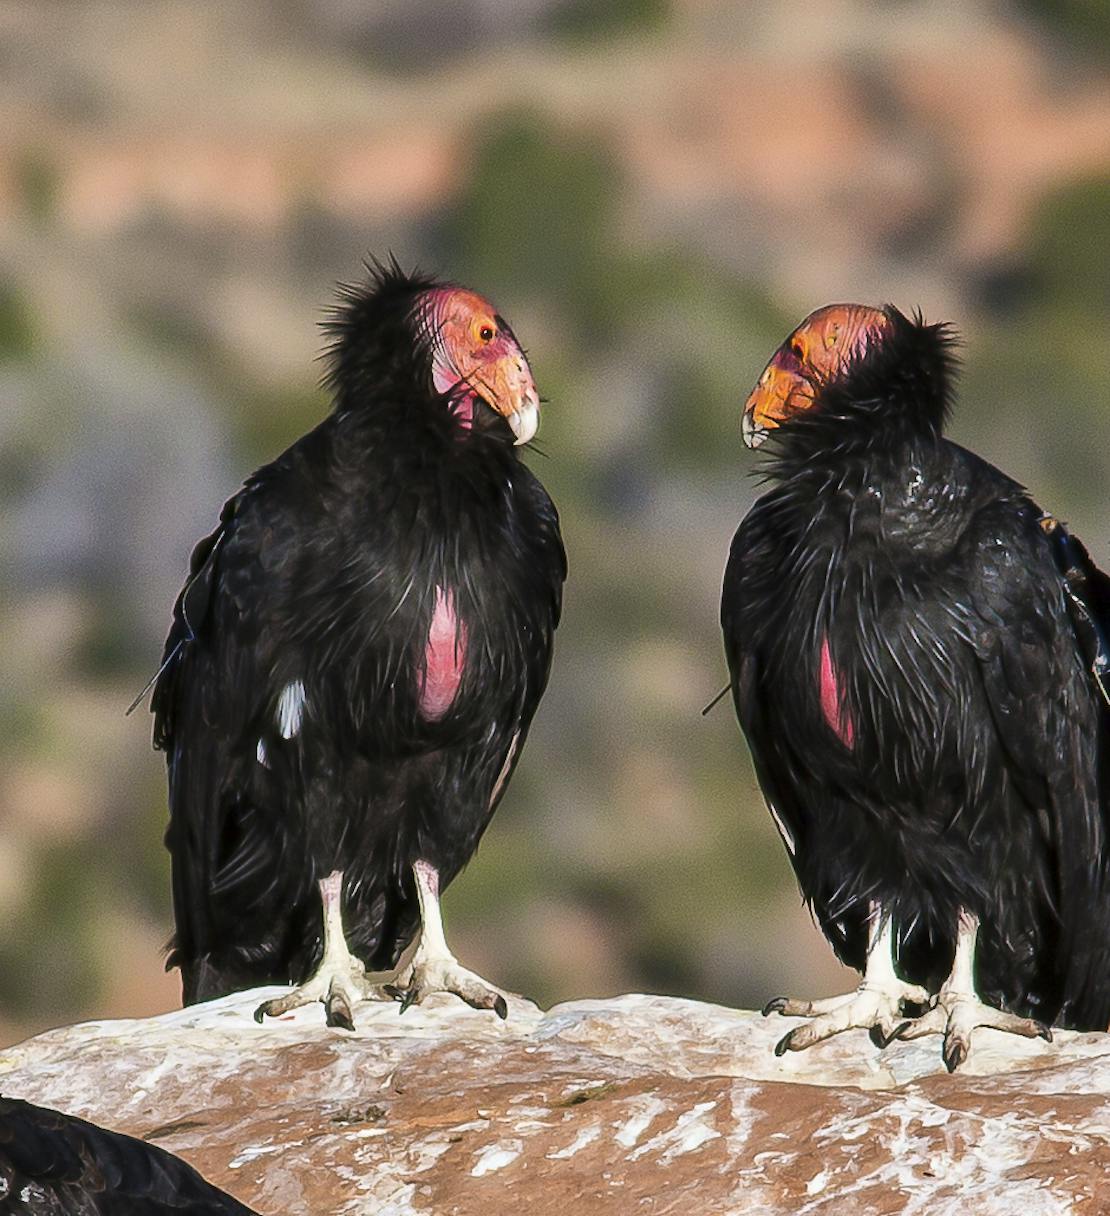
[(797, 349), (486, 333)]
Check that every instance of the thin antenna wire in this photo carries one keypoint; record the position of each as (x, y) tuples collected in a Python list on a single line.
[(715, 700)]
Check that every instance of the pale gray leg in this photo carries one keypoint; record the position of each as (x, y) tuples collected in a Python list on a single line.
[(340, 981), (958, 1009), (875, 1005), (434, 968)]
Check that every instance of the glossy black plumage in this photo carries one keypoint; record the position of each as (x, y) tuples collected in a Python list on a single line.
[(966, 633), (57, 1165), (325, 570)]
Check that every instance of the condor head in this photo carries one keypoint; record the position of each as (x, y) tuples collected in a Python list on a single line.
[(826, 343), (475, 354)]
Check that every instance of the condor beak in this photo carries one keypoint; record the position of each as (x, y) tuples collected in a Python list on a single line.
[(508, 387), (779, 393), (524, 422), (752, 433)]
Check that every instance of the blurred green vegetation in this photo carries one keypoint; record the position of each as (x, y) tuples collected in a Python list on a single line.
[(36, 178), (1085, 22), (1069, 237), (1043, 362), (51, 942), (269, 419), (17, 331), (552, 193), (586, 21)]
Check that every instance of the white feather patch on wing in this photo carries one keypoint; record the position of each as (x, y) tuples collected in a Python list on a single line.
[(784, 831), (503, 775), (260, 752), (290, 709)]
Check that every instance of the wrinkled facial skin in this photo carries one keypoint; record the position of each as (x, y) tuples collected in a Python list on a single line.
[(472, 346), (813, 354)]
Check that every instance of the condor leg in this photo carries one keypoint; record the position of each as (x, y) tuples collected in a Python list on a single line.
[(341, 980), (434, 968), (958, 1009), (875, 1005)]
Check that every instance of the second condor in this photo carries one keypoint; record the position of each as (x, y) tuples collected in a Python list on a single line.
[(919, 661)]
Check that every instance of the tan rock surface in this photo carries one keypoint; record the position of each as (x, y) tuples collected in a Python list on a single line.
[(638, 1104)]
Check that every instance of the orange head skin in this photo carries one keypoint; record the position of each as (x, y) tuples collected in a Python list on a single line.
[(475, 354), (813, 355)]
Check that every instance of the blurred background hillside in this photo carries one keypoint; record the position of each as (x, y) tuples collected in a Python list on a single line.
[(653, 191)]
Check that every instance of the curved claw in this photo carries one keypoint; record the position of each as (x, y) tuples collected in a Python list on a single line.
[(954, 1052), (403, 996), (876, 1007), (444, 974), (783, 1045), (897, 1032), (274, 1008), (409, 996), (338, 1013), (957, 1015)]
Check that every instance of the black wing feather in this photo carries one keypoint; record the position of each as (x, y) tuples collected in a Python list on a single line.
[(1088, 592), (1040, 605), (53, 1164), (772, 751), (217, 684)]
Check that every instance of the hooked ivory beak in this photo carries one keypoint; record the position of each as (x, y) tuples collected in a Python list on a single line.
[(779, 393), (752, 434), (507, 386), (524, 421)]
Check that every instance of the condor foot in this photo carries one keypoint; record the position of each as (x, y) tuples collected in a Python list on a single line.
[(437, 974), (956, 1015), (337, 986), (873, 1007)]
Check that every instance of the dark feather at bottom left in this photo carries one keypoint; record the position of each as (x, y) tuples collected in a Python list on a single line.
[(53, 1164)]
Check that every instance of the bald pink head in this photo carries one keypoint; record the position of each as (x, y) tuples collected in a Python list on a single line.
[(475, 355)]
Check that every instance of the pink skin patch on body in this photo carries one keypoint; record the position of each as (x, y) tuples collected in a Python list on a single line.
[(835, 714), (444, 658)]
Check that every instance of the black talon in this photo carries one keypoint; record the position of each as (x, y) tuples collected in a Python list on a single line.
[(408, 997), (338, 1014), (954, 1056), (783, 1045), (898, 1031), (881, 1039), (261, 1012), (775, 1005), (501, 1008), (1044, 1032)]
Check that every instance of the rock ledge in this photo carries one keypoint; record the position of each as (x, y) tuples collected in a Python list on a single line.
[(639, 1103)]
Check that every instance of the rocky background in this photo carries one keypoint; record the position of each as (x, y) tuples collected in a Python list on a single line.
[(654, 191)]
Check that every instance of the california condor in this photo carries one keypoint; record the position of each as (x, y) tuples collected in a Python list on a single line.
[(354, 663), (57, 1165), (919, 661)]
